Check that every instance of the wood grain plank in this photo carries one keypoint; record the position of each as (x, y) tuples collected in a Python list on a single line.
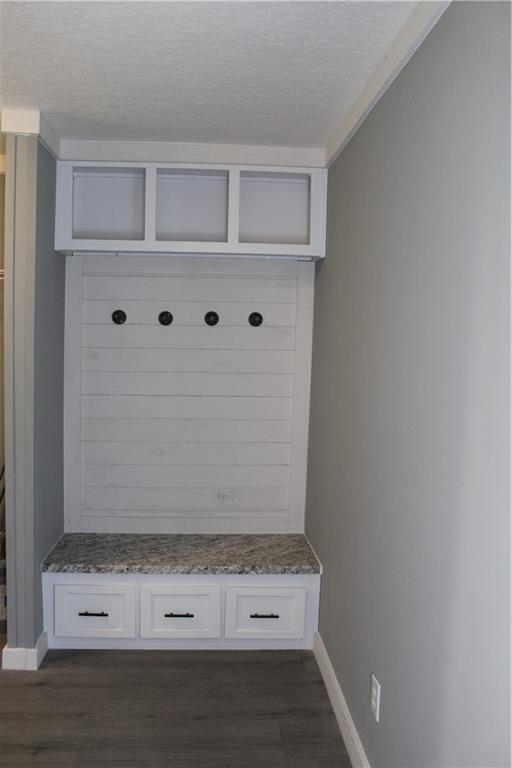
[(147, 407), (145, 501), (123, 709), (188, 337), (187, 360), (177, 454), (198, 288), (191, 430), (171, 477), (206, 384)]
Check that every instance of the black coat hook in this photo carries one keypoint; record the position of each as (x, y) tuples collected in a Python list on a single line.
[(118, 316), (165, 318), (255, 319), (211, 318)]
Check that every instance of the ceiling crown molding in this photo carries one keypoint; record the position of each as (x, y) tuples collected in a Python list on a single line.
[(422, 20), (179, 152)]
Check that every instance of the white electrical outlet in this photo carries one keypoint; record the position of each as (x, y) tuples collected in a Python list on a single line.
[(375, 697)]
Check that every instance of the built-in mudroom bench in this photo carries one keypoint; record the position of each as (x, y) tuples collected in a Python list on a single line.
[(187, 362), (181, 591)]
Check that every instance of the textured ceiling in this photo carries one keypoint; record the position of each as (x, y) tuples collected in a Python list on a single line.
[(272, 73)]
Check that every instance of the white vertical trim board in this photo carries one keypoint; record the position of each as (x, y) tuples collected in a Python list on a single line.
[(186, 428), (72, 389), (25, 659), (347, 726)]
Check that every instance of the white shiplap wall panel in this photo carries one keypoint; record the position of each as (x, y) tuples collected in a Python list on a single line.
[(186, 427), (151, 476), (177, 407), (187, 431), (190, 360), (186, 454), (231, 501), (187, 336), (160, 287), (197, 384)]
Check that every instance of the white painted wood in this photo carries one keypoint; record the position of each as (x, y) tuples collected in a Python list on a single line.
[(63, 206), (154, 477), (193, 287), (267, 212), (176, 423), (186, 454), (234, 206), (150, 204), (274, 208), (14, 658), (178, 407), (72, 390), (274, 612), (225, 501), (108, 203), (36, 655), (188, 360), (192, 205), (213, 522), (198, 610), (175, 584), (200, 384), (187, 431), (20, 121), (188, 337), (77, 607), (163, 264), (301, 396), (190, 153), (25, 659), (346, 724)]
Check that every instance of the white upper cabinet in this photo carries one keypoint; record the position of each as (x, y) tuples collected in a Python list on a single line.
[(232, 210)]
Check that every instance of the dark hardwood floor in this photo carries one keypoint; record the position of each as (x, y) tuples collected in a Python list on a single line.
[(169, 709)]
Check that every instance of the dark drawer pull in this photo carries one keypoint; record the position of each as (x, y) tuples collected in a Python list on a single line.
[(178, 615), (102, 614), (264, 616)]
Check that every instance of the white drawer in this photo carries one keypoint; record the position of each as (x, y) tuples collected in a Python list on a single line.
[(270, 612), (179, 611), (94, 611)]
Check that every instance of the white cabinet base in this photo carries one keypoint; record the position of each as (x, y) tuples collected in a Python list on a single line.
[(181, 612)]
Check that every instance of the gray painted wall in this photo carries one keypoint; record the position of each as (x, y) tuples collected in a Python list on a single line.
[(34, 328), (48, 377), (408, 498)]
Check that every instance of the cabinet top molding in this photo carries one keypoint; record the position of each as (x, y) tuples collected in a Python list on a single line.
[(210, 209)]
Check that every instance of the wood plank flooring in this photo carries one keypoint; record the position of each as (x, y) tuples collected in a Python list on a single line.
[(169, 709)]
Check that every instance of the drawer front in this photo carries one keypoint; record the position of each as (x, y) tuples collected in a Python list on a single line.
[(94, 611), (176, 611), (270, 612)]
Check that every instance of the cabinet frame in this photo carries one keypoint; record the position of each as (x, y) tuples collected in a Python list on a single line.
[(315, 249), (309, 582)]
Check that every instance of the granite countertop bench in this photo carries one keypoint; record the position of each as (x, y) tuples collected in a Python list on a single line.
[(269, 553)]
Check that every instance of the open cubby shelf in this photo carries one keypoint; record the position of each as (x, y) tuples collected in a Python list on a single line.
[(199, 209)]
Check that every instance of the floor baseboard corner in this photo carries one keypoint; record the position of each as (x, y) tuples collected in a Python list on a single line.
[(346, 724), (25, 659)]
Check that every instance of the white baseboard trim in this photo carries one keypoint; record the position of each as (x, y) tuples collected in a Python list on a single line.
[(347, 726), (25, 659)]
